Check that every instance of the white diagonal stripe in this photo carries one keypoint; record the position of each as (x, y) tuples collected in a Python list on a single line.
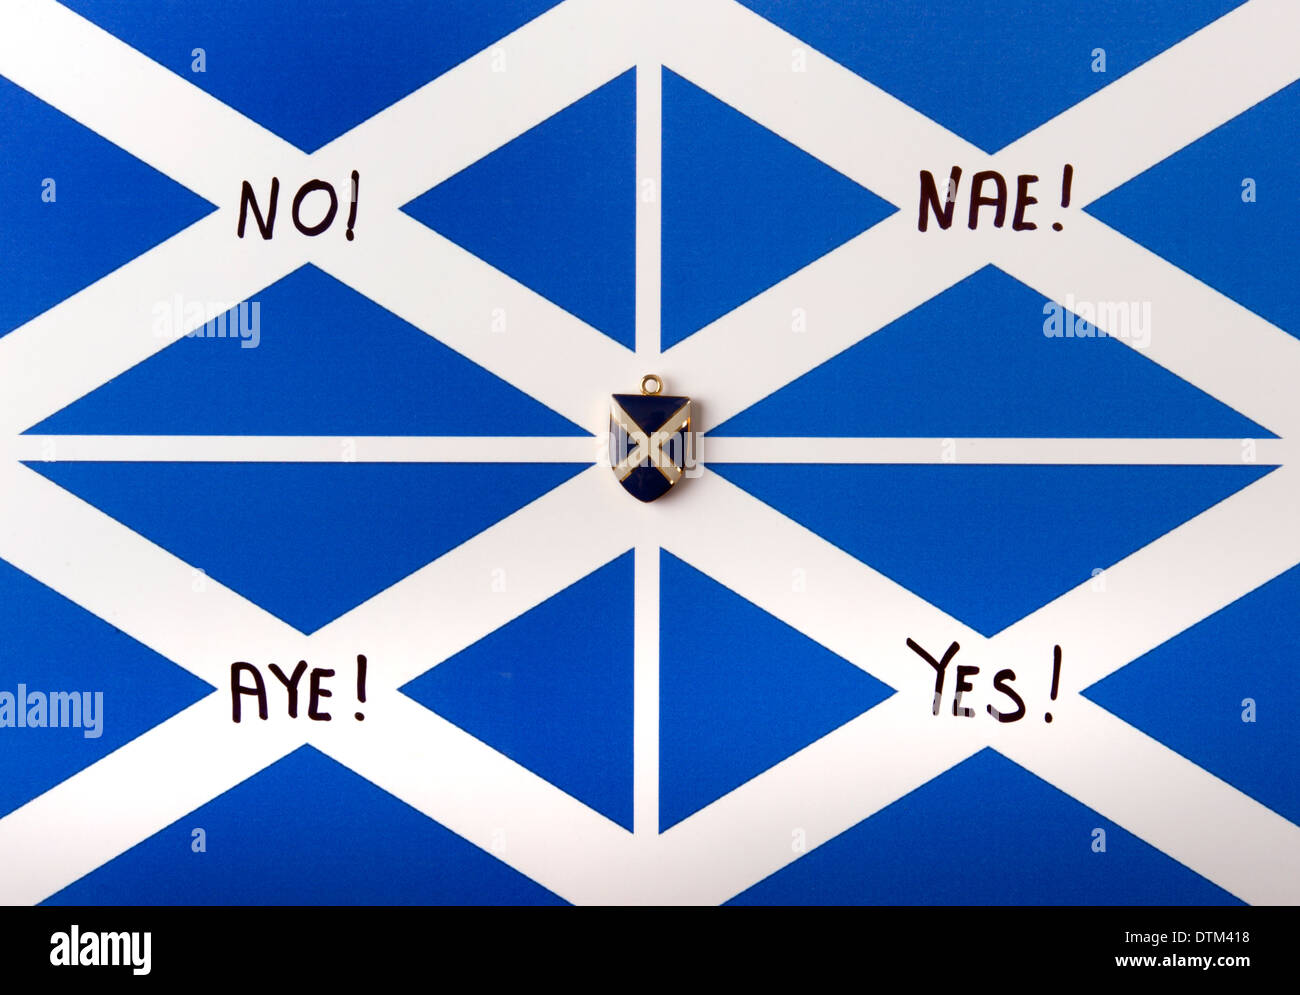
[(132, 793), (1158, 795), (1169, 102)]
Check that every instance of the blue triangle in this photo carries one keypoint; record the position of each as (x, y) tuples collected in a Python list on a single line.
[(975, 362), (742, 209), (108, 207), (994, 70), (989, 544), (556, 209), (305, 831), (310, 70), (314, 358), (308, 541), (1189, 693), (52, 645), (986, 832), (552, 690), (1189, 209), (739, 691)]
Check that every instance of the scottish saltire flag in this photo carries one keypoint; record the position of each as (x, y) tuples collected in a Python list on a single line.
[(651, 440), (314, 583)]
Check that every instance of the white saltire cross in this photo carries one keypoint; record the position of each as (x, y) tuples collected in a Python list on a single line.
[(411, 146)]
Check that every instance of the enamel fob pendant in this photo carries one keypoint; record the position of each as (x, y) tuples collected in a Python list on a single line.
[(649, 436)]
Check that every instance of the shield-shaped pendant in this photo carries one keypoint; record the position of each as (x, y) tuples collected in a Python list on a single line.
[(650, 439)]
